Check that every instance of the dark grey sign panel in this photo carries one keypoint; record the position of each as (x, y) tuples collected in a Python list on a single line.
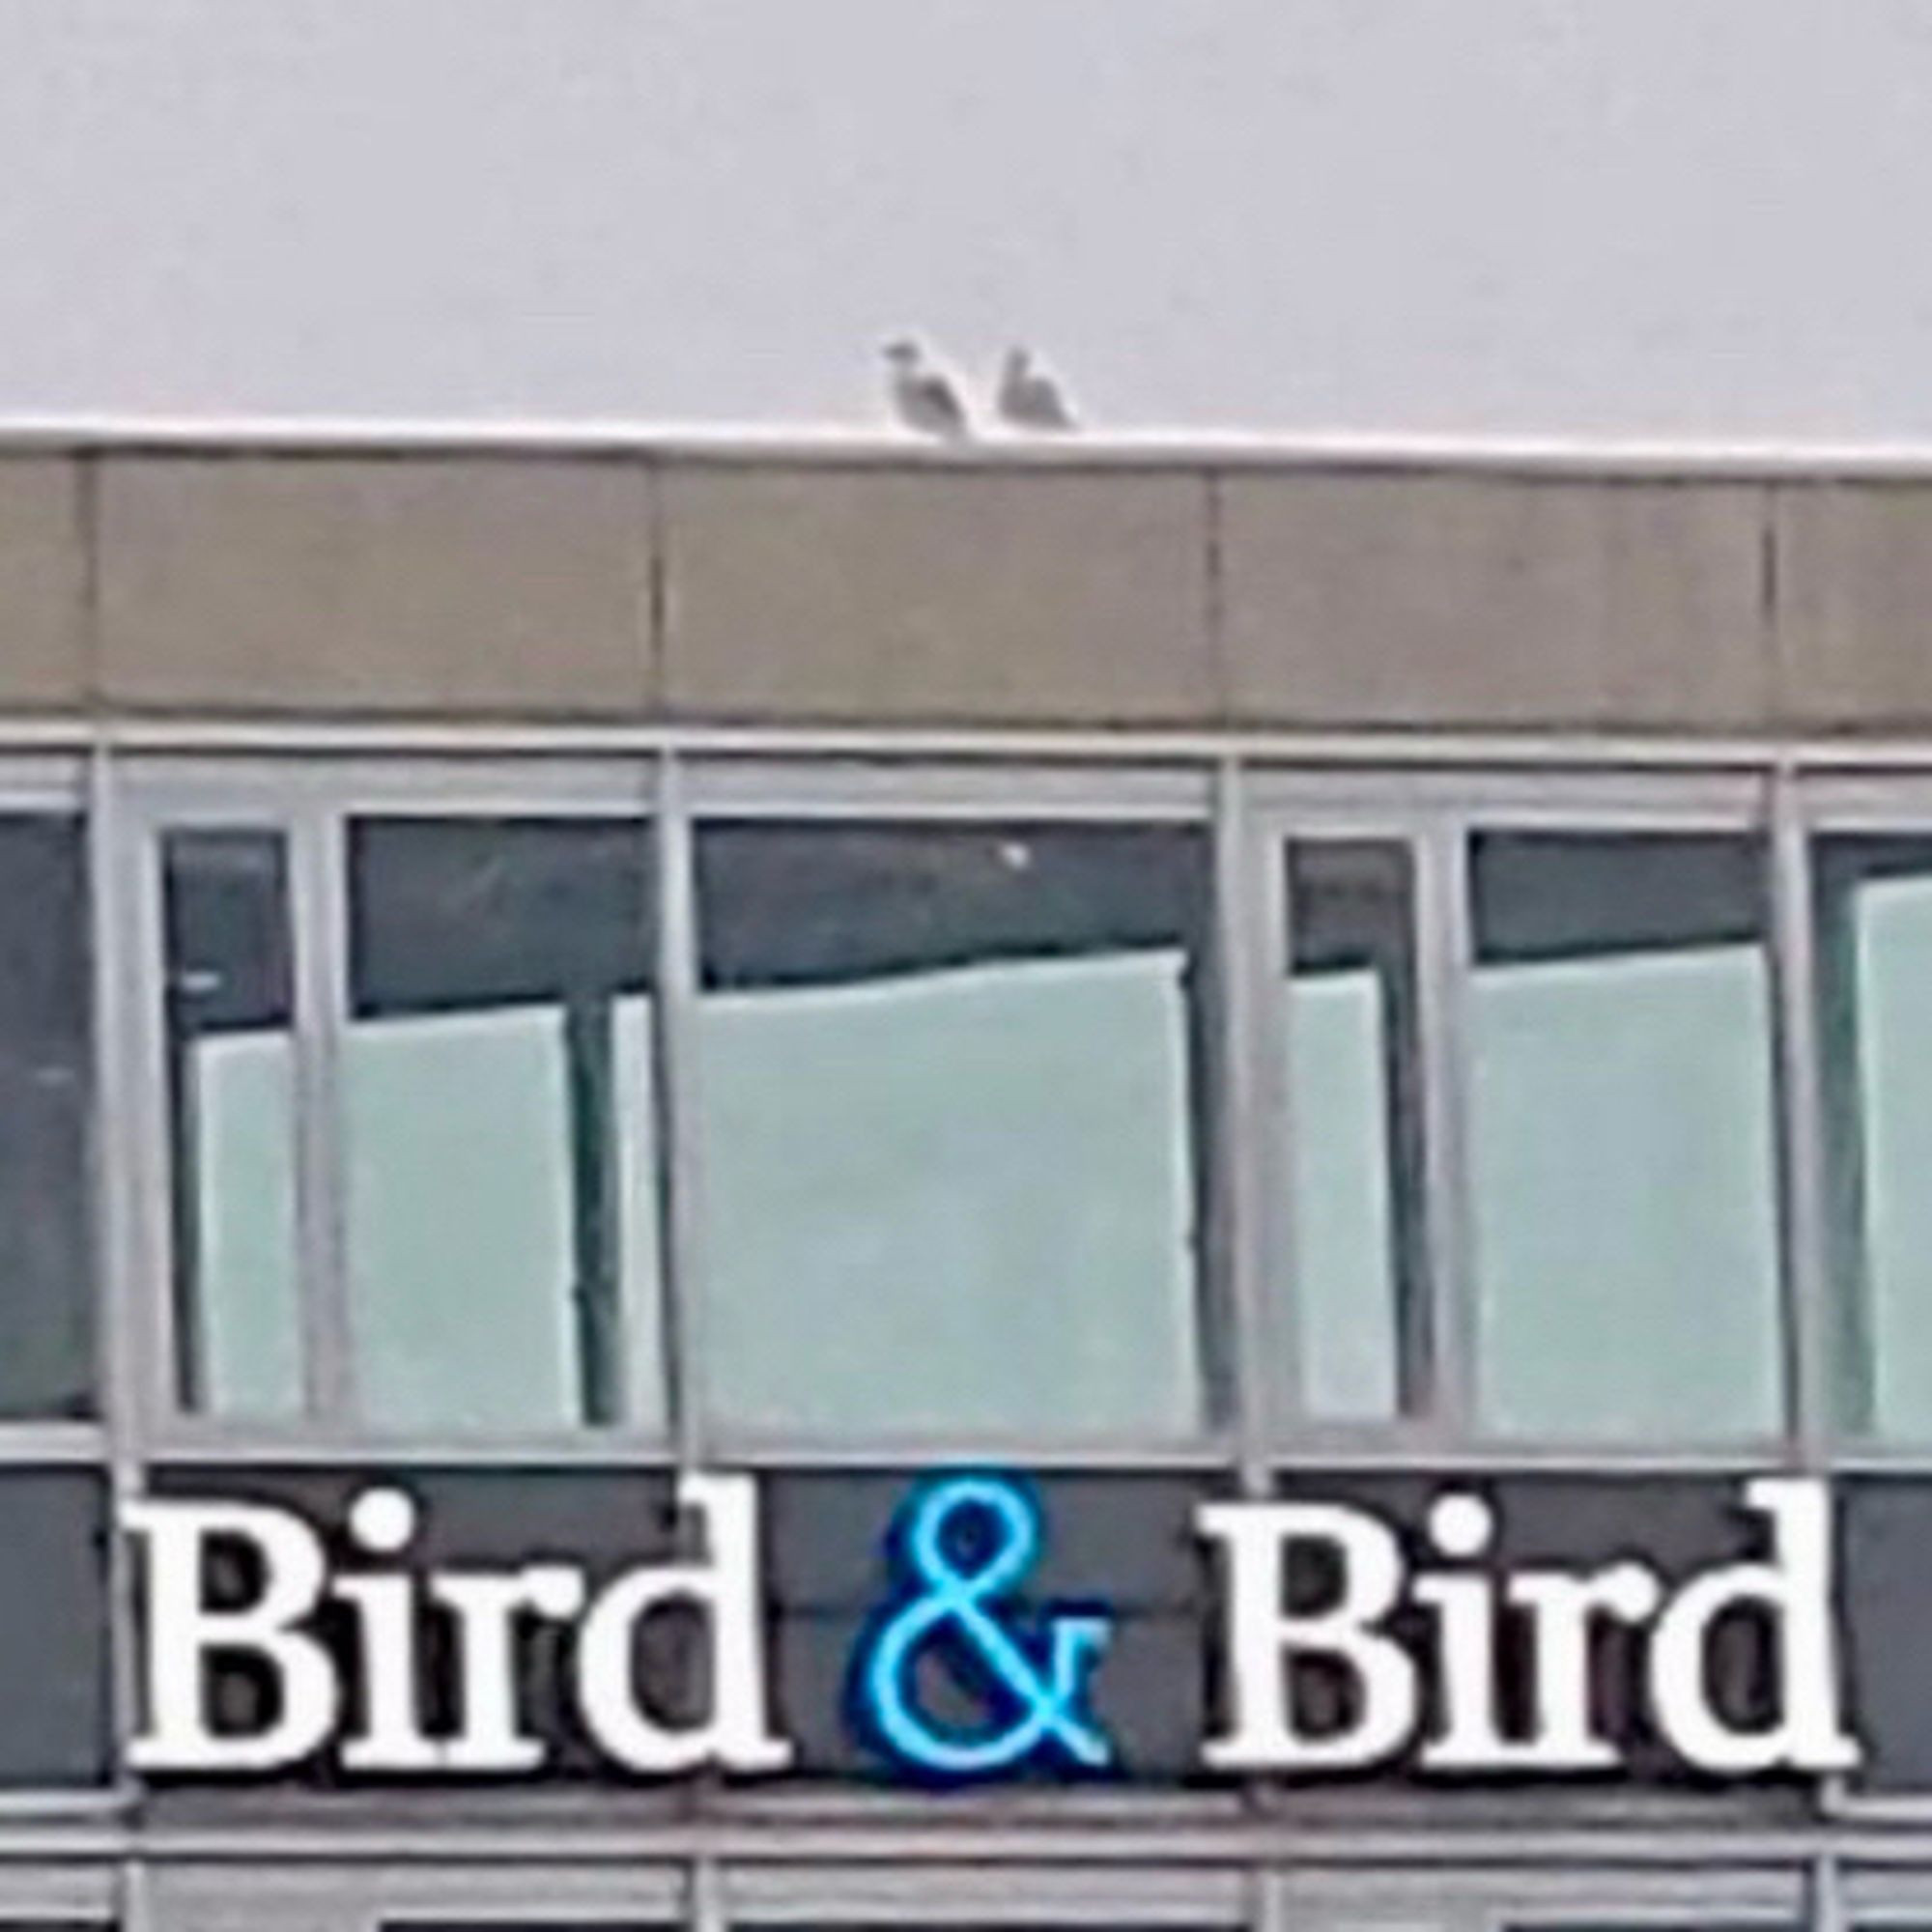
[(1885, 1529), (54, 1629)]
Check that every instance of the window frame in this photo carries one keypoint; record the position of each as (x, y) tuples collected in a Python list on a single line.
[(950, 1889), (1249, 801), (311, 798), (1545, 1896), (311, 804), (86, 1893), (1866, 801), (1437, 810), (392, 1896), (959, 794)]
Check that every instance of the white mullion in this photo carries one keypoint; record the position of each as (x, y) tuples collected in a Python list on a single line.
[(1826, 1905), (124, 1382), (135, 1905), (1270, 1907), (318, 893), (677, 1100), (1444, 960), (136, 1214), (1277, 1310), (707, 1907), (134, 1342), (1806, 1264)]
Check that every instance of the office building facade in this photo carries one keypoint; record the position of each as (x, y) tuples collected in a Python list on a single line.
[(992, 1023)]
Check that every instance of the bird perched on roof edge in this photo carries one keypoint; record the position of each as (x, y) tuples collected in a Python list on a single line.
[(1029, 398), (923, 397)]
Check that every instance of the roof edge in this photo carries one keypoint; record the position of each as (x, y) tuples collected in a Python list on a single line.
[(833, 446)]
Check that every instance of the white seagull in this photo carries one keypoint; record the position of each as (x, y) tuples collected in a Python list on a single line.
[(1029, 397), (923, 398)]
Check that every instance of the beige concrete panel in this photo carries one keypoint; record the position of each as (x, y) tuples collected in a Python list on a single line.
[(426, 584), (42, 584), (935, 595), (1492, 601), (1854, 605)]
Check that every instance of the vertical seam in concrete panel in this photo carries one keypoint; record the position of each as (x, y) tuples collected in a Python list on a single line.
[(1770, 610), (87, 533), (656, 595), (1213, 613)]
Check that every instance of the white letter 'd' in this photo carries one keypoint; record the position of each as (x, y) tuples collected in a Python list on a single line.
[(1793, 1586), (723, 1587)]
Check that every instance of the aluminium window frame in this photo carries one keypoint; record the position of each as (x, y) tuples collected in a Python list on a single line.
[(391, 1895), (1574, 1892), (1012, 1888), (1896, 803), (1434, 811), (1250, 803), (960, 793), (88, 1893), (1210, 1896), (1892, 1895), (311, 804), (311, 799)]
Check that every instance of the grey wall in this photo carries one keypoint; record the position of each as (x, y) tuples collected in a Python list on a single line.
[(635, 586)]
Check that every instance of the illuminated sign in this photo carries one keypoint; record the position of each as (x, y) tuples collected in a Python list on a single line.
[(1340, 1643), (960, 1605)]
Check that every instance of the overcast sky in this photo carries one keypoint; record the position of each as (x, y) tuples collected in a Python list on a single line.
[(1706, 217)]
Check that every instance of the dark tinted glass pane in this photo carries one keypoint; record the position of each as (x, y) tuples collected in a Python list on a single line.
[(47, 1295), (500, 1162), (1355, 1118), (948, 1126), (231, 1066), (1622, 1151)]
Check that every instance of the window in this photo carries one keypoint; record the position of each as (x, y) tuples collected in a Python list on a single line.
[(46, 1332), (230, 1007), (1623, 1158), (942, 1102), (435, 1208), (1354, 1130), (502, 1250), (1874, 920), (947, 1129)]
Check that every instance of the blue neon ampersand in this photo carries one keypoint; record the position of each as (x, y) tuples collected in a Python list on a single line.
[(959, 1606)]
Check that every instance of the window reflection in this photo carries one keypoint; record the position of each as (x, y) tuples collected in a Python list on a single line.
[(1354, 1130), (948, 1127), (1623, 1158), (1874, 902), (231, 1067), (501, 1200)]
